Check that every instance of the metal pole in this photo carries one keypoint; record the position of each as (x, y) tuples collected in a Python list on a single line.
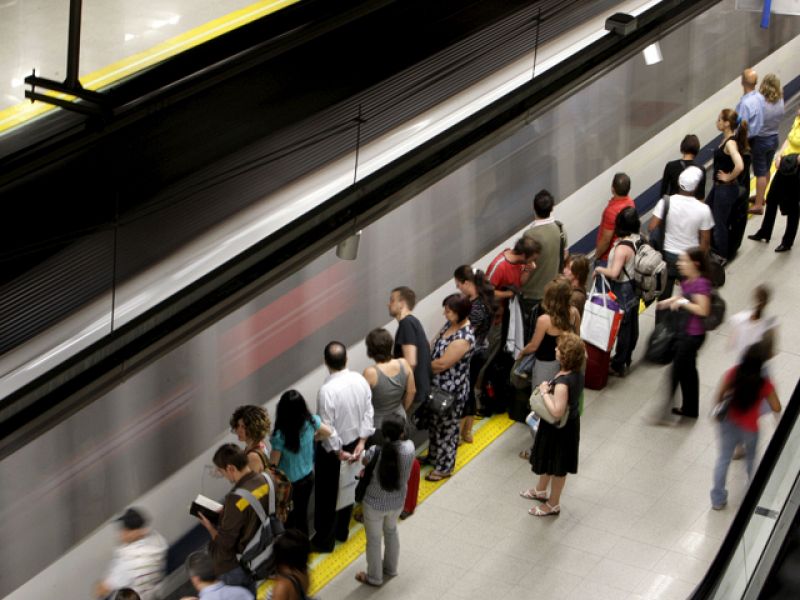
[(74, 43)]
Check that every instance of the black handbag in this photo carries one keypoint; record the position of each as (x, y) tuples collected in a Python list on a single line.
[(440, 402), (662, 342), (366, 476)]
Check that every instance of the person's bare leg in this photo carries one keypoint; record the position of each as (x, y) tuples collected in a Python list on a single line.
[(761, 190), (466, 429), (556, 487)]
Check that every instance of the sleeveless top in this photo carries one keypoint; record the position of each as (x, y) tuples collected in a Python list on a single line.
[(547, 348), (387, 396), (722, 162), (626, 274)]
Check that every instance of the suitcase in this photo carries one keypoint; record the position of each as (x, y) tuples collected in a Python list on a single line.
[(413, 489), (596, 367)]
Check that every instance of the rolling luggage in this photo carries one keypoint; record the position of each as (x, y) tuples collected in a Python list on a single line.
[(597, 364), (413, 489)]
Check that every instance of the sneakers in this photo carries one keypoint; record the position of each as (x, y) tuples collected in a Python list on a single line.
[(719, 506)]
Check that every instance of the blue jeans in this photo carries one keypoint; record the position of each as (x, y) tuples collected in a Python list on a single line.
[(721, 200), (629, 327), (730, 436)]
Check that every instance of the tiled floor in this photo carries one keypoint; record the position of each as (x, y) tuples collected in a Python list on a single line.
[(636, 520)]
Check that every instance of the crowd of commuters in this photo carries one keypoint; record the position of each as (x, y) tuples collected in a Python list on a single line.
[(444, 382)]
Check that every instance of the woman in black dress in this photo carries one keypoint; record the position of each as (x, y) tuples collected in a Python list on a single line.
[(555, 451)]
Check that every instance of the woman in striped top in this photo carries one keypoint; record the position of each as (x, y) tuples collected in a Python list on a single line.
[(383, 500)]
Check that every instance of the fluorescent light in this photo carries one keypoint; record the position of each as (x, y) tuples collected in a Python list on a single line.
[(652, 54)]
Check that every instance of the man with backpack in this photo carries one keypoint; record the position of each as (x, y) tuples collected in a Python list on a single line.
[(683, 222), (239, 521)]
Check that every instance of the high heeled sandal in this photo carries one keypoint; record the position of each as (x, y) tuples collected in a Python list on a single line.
[(537, 511)]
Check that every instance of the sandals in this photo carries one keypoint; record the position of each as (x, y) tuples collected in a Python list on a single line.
[(467, 438), (537, 511), (361, 577), (437, 476), (532, 494), (525, 454)]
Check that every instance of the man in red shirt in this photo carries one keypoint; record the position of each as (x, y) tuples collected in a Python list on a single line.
[(510, 269), (620, 188)]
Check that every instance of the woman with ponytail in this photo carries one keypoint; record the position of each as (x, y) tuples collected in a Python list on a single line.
[(743, 388), (728, 165), (383, 500), (475, 286)]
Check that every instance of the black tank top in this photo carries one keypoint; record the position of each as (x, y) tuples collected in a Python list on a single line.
[(722, 161), (547, 348)]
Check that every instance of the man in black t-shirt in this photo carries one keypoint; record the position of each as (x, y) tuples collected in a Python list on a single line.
[(410, 341), (690, 147)]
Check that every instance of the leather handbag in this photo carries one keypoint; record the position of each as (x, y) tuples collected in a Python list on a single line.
[(440, 401), (540, 408)]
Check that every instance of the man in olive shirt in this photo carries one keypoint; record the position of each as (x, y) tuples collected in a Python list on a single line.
[(553, 241), (238, 522)]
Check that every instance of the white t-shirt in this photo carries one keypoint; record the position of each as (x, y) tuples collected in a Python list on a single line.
[(687, 216), (745, 331), (140, 565)]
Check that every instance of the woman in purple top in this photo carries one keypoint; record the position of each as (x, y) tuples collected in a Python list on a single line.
[(695, 301)]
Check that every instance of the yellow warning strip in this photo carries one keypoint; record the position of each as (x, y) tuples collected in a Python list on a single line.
[(24, 111), (324, 567)]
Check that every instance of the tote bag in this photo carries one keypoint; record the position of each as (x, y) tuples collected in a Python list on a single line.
[(601, 317)]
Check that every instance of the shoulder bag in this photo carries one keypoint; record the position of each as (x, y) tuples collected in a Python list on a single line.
[(540, 408)]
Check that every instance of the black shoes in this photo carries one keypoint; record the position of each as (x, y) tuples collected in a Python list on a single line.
[(783, 248), (757, 237)]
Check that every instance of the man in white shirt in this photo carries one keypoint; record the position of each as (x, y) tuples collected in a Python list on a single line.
[(688, 223), (139, 563), (344, 403)]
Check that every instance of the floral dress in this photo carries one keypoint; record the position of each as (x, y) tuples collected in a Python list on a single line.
[(443, 429)]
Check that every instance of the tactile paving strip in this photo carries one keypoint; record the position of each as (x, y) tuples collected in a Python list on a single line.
[(324, 567)]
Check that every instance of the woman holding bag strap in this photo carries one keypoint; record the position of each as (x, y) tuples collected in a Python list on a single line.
[(695, 300), (557, 316), (620, 272), (555, 450)]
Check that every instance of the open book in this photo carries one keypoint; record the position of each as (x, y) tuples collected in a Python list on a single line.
[(209, 508)]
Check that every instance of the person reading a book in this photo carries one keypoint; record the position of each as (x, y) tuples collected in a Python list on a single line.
[(238, 522), (200, 568)]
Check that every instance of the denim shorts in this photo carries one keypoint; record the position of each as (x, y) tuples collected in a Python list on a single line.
[(762, 149)]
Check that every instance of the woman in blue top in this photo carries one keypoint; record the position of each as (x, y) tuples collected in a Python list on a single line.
[(293, 452)]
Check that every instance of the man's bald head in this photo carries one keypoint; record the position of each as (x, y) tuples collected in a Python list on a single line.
[(749, 79)]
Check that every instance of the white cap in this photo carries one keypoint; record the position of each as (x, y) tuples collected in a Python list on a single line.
[(689, 178)]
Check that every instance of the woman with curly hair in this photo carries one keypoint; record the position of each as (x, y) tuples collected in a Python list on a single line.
[(555, 450), (557, 315), (251, 425)]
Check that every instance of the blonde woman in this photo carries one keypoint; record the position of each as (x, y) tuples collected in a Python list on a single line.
[(765, 144)]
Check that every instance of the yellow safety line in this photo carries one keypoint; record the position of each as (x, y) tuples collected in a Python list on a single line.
[(324, 567), (24, 111)]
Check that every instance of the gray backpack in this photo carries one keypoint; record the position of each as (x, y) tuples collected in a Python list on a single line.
[(257, 558), (649, 271)]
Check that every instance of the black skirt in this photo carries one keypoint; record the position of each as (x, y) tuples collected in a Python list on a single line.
[(555, 451)]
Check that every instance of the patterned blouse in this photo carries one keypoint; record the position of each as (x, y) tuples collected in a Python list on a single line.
[(480, 318), (456, 378)]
